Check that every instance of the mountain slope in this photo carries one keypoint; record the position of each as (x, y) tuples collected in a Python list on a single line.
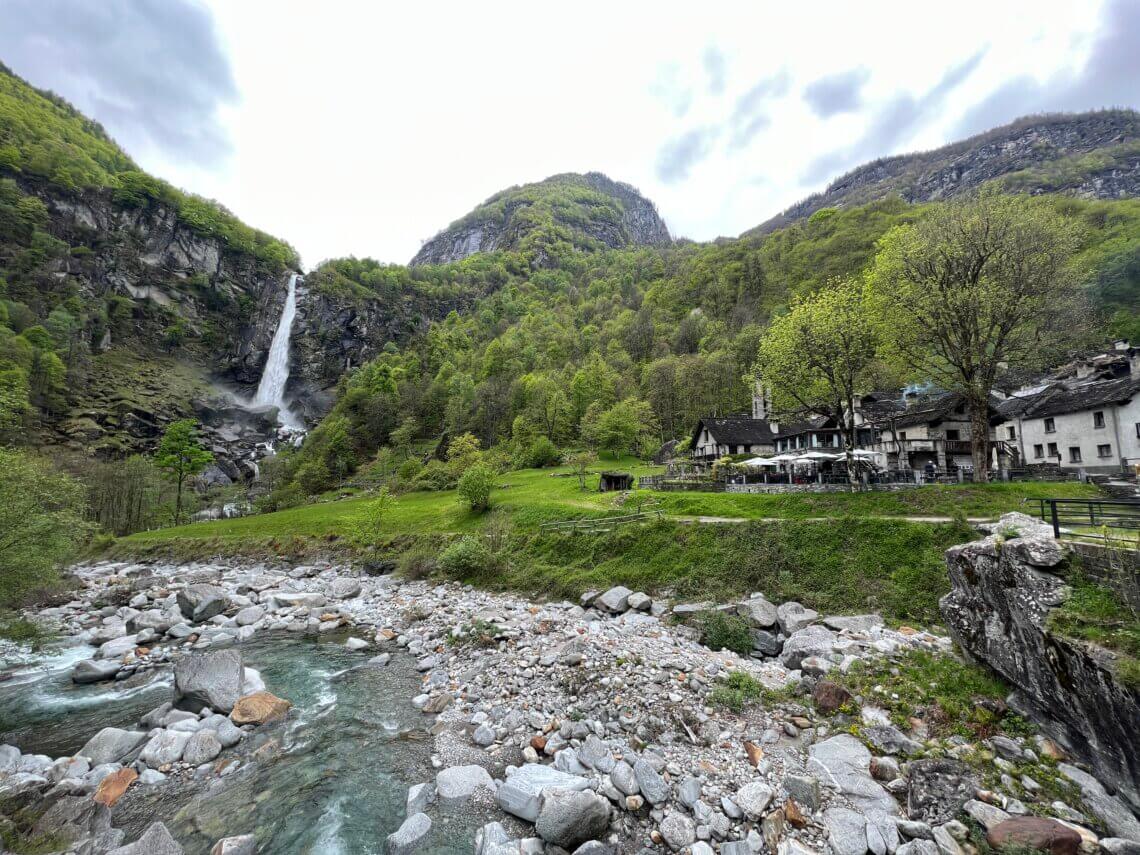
[(568, 212), (1093, 155)]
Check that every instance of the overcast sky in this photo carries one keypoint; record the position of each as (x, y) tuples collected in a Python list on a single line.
[(354, 128)]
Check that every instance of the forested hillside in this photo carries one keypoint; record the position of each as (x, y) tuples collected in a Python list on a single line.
[(670, 331)]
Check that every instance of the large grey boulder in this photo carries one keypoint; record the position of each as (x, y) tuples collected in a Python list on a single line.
[(1117, 818), (408, 836), (116, 648), (853, 623), (813, 640), (461, 782), (753, 799), (208, 680), (245, 844), (202, 747), (678, 831), (111, 745), (615, 600), (846, 831), (568, 818), (843, 762), (157, 619), (156, 840), (792, 617), (937, 789), (95, 670), (344, 588), (199, 603), (759, 613), (164, 747), (521, 793)]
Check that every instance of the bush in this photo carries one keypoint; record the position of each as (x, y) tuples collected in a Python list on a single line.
[(417, 564), (720, 631), (437, 475), (466, 558), (408, 470), (475, 486), (735, 690), (542, 453)]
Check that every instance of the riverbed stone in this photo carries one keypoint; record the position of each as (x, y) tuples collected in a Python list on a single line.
[(245, 844), (345, 588), (843, 762), (208, 680), (615, 600), (116, 648), (420, 796), (792, 617), (568, 818), (937, 789), (649, 781), (408, 836), (520, 794), (846, 831), (111, 745), (759, 613), (164, 747), (201, 748), (156, 840), (259, 708), (814, 640), (753, 798), (199, 603), (1034, 832), (677, 830), (112, 788), (95, 670), (461, 782), (247, 617)]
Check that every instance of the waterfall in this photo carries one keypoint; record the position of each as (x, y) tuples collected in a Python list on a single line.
[(271, 389)]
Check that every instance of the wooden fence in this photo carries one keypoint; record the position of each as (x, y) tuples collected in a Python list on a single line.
[(599, 523)]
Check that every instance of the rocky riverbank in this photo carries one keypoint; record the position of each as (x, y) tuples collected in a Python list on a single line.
[(564, 727)]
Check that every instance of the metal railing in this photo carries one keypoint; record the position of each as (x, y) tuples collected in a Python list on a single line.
[(599, 523), (1090, 519)]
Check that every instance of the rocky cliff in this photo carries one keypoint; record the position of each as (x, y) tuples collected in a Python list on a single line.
[(1004, 588), (591, 211), (1093, 155)]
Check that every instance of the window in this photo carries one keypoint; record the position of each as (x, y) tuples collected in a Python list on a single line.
[(1098, 419), (1050, 426), (1104, 451), (1074, 454), (902, 433), (1039, 450), (1053, 452), (1011, 432), (952, 435)]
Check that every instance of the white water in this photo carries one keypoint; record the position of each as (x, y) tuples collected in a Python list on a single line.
[(271, 389)]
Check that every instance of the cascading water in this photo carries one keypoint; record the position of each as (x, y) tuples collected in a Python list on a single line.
[(271, 389)]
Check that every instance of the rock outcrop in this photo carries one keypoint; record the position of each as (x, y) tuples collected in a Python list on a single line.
[(998, 610), (1036, 154), (609, 213)]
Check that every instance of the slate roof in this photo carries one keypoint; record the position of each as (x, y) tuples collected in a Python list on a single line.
[(1059, 400), (736, 430)]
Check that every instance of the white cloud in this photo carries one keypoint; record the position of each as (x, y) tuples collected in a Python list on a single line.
[(365, 128)]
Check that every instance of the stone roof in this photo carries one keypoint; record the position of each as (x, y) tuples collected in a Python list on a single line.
[(1059, 400), (736, 430)]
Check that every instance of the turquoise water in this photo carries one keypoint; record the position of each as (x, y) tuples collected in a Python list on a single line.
[(332, 778)]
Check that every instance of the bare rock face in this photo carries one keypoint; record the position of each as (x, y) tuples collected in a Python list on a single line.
[(631, 220), (998, 611)]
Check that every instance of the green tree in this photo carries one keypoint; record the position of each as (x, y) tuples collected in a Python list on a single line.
[(41, 523), (821, 356), (14, 403), (580, 464), (627, 427), (401, 438), (371, 524), (462, 453), (181, 456), (475, 486), (980, 285)]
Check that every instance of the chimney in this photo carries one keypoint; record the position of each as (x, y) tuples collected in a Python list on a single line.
[(759, 400)]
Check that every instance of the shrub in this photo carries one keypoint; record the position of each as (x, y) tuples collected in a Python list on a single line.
[(735, 690), (435, 476), (408, 470), (542, 453), (475, 486), (417, 564), (466, 558), (720, 631)]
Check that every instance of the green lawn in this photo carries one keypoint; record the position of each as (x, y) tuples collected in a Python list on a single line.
[(789, 545)]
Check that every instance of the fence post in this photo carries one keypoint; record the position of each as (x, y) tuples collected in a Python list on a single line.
[(1056, 524)]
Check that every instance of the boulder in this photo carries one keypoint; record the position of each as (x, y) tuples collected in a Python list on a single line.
[(828, 697), (1117, 818), (853, 623), (937, 790), (640, 601), (759, 613), (890, 740), (813, 640), (156, 840), (247, 617), (71, 819), (344, 588), (521, 793), (245, 844), (199, 603), (117, 648), (650, 783), (409, 835), (202, 747), (111, 788), (615, 600), (677, 830), (157, 619), (846, 831), (843, 762), (208, 680), (765, 643), (259, 708), (111, 745), (753, 799), (792, 617), (164, 747), (461, 782), (568, 818), (95, 670), (1034, 832)]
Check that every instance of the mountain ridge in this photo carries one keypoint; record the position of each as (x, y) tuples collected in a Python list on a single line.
[(1033, 154)]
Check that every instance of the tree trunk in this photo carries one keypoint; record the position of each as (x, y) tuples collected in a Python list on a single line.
[(980, 439), (178, 501)]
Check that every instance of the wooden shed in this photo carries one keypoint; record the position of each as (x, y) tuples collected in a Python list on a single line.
[(615, 481)]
